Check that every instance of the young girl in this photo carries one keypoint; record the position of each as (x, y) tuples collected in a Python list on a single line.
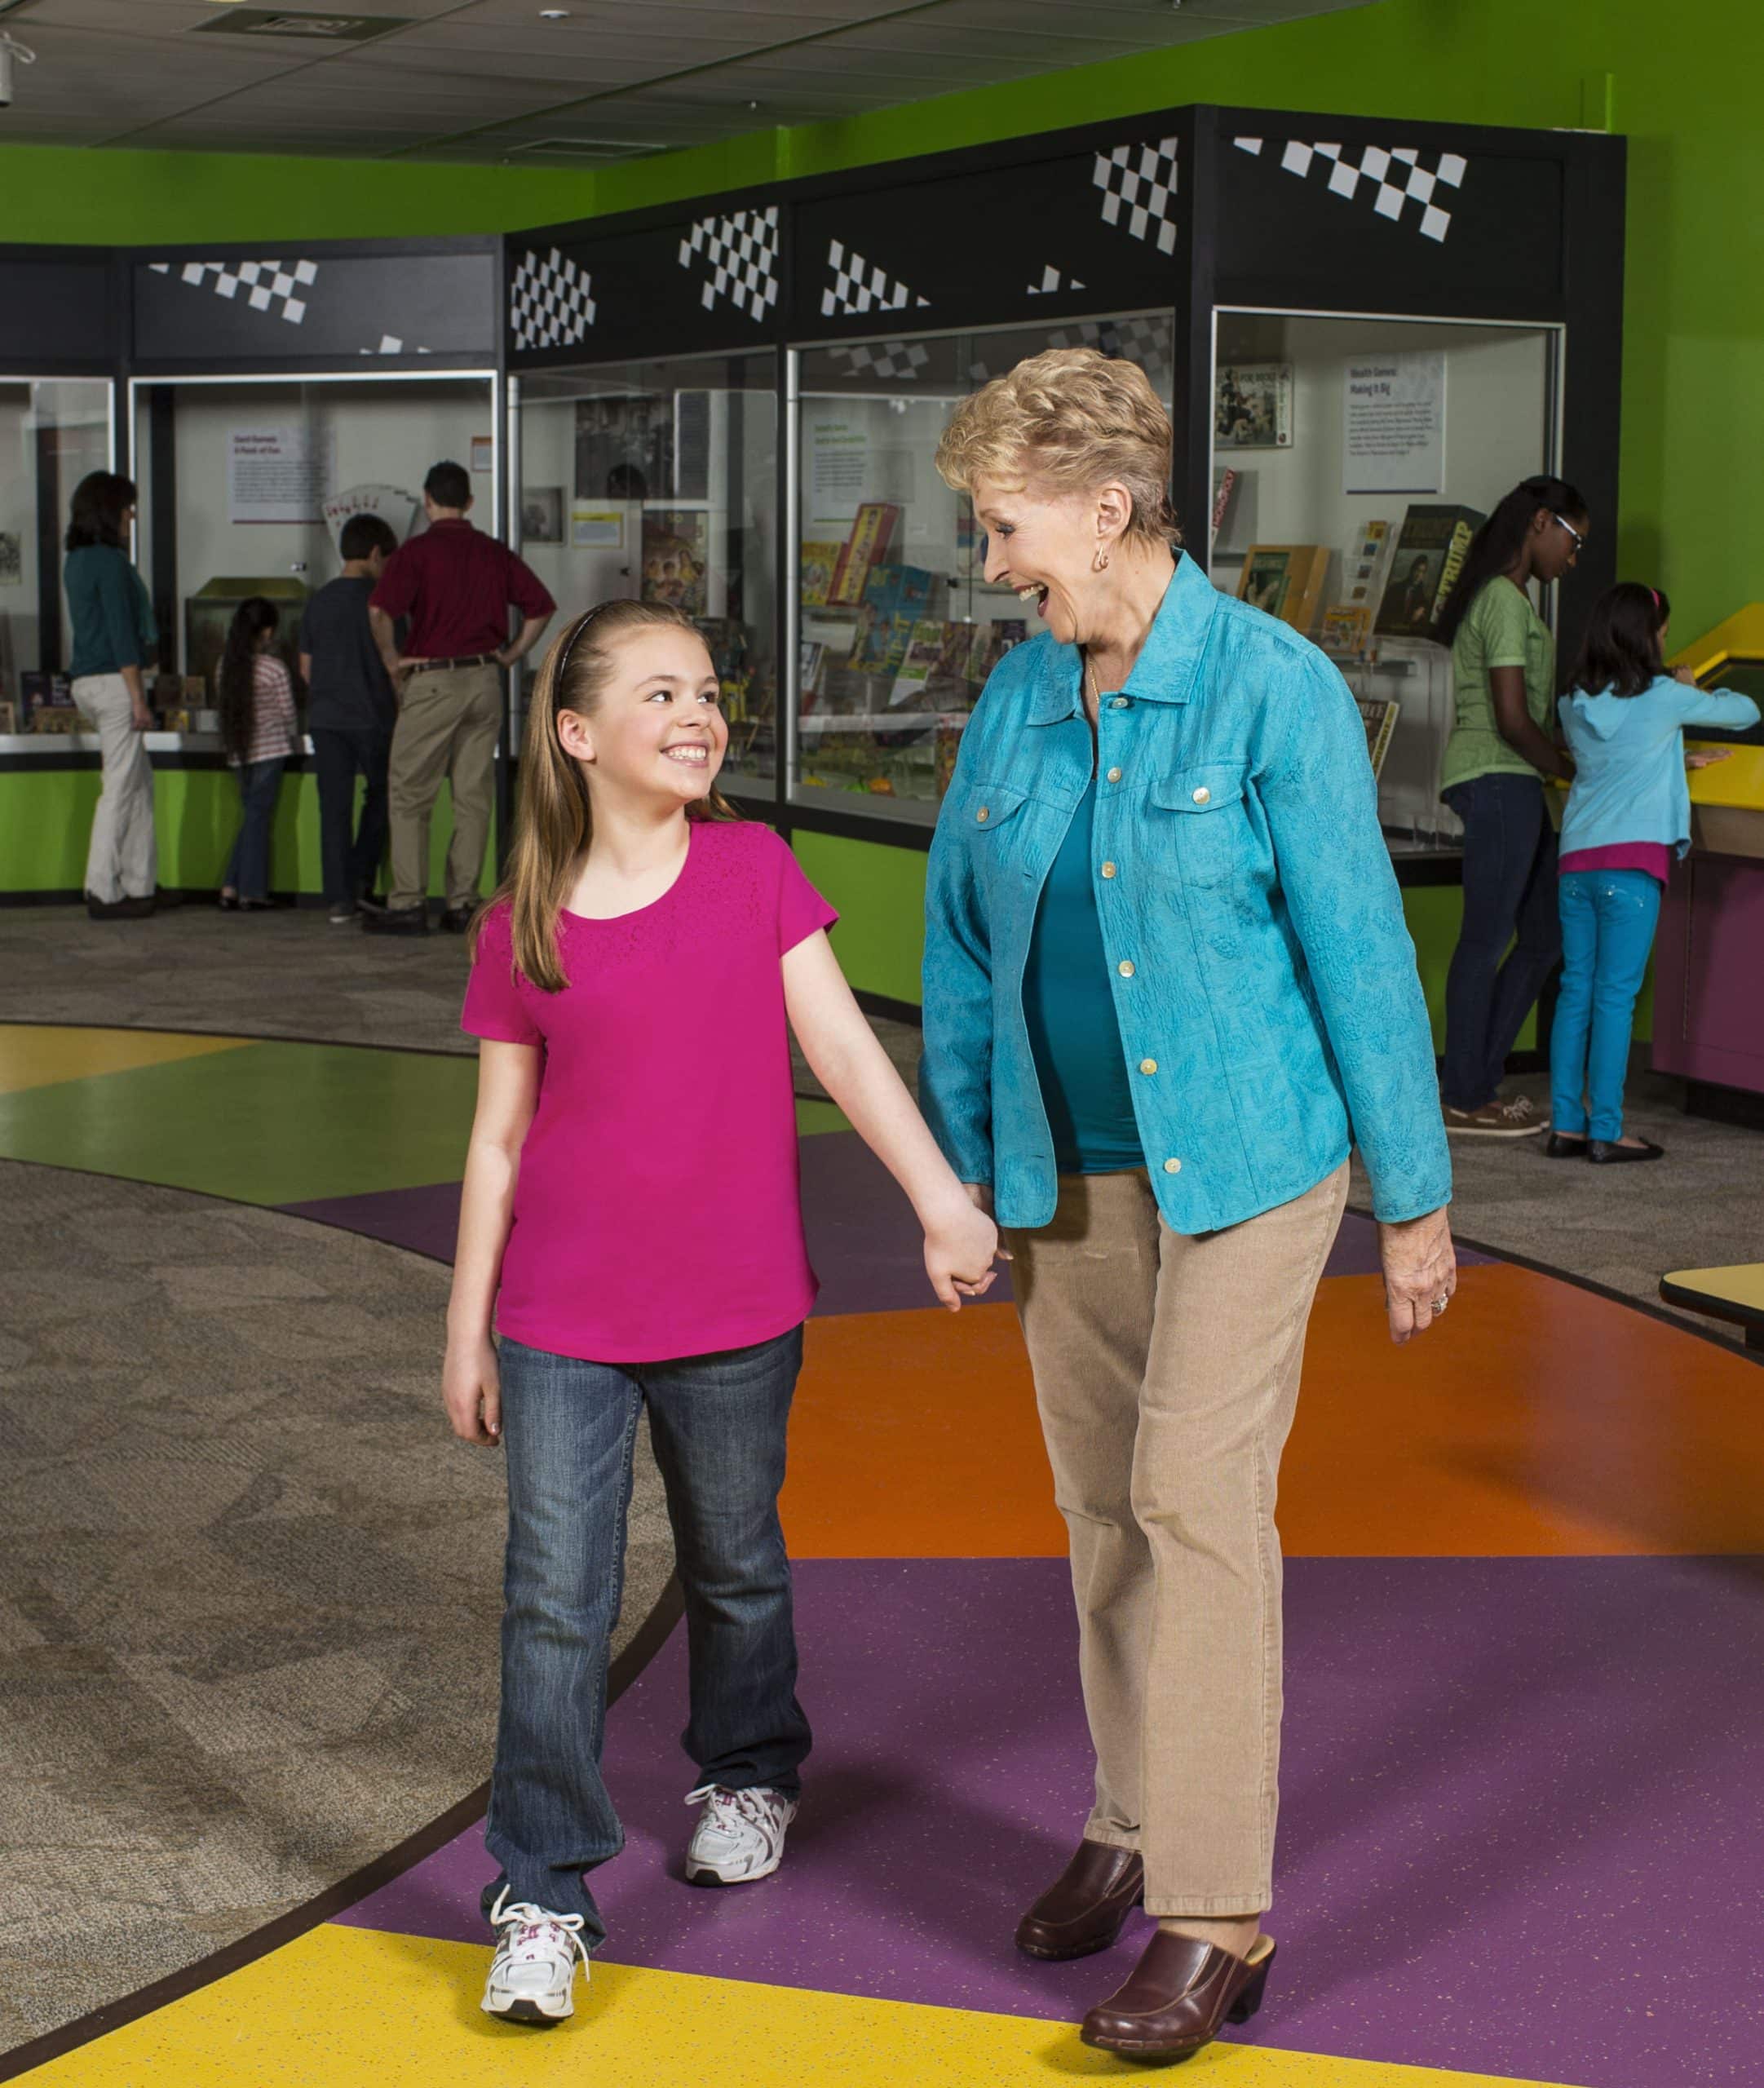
[(257, 729), (1627, 818), (630, 1211)]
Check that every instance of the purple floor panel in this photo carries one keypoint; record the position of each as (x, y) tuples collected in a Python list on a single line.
[(1522, 1825), (427, 1220)]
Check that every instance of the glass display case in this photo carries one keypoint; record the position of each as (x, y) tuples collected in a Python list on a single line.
[(53, 431), (1353, 457), (246, 484), (896, 627), (658, 480)]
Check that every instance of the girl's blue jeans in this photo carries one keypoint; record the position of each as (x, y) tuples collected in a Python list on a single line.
[(569, 1429), (248, 865), (1608, 918)]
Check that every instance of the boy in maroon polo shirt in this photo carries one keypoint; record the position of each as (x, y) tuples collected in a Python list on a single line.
[(456, 586)]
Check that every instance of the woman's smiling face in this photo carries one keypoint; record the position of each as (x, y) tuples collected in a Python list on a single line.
[(1045, 546)]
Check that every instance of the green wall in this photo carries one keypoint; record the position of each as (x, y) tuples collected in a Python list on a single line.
[(46, 819)]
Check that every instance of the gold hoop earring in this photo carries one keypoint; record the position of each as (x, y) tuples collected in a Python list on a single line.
[(1099, 563)]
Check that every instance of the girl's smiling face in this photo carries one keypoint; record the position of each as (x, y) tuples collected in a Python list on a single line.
[(658, 731)]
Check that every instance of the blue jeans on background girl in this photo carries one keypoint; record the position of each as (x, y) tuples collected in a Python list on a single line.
[(569, 1429), (1510, 897), (1608, 918), (248, 865)]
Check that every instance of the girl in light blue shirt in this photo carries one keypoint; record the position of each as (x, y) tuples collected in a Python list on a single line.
[(1628, 820)]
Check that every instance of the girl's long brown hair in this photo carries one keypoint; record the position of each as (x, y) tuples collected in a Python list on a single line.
[(554, 822)]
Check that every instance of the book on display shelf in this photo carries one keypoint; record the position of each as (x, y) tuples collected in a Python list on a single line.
[(872, 533), (818, 562), (1364, 565), (676, 557), (1347, 630), (1286, 580), (1424, 565), (936, 666), (1378, 714), (1225, 483)]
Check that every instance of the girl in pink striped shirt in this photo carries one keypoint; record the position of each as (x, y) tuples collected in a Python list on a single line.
[(260, 732)]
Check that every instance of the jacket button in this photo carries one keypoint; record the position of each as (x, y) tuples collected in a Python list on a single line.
[(1203, 796), (1148, 1065), (984, 814), (1173, 1167), (1109, 869), (1126, 967), (1114, 776), (1117, 703)]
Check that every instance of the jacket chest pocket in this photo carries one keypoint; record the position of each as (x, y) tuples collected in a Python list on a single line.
[(998, 833), (1203, 823)]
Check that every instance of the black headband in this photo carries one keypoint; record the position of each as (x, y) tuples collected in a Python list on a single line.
[(569, 643)]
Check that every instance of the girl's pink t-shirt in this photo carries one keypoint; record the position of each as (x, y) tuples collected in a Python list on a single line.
[(658, 1210)]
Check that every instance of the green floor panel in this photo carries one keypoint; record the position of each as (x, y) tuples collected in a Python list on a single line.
[(813, 1117), (268, 1124)]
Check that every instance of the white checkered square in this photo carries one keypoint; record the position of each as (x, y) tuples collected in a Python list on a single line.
[(1144, 341), (899, 362), (1053, 282), (271, 283), (859, 285), (1392, 178), (551, 303), (742, 252), (1139, 186)]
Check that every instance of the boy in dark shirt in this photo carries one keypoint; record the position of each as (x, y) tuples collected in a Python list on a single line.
[(350, 710)]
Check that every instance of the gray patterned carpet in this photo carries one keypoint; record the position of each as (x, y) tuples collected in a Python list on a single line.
[(249, 1584)]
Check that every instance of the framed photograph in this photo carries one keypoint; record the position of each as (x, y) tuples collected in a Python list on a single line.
[(1285, 580), (541, 514), (1253, 406), (676, 557)]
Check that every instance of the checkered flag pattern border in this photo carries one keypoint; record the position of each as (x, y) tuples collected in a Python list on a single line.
[(1053, 282), (742, 252), (899, 362), (1144, 341), (1139, 186), (1393, 178), (266, 283), (551, 303), (859, 286)]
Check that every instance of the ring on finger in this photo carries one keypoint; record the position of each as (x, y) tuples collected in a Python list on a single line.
[(1440, 1303)]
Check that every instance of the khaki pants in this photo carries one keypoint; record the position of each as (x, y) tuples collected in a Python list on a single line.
[(447, 724), (122, 856), (1167, 1371)]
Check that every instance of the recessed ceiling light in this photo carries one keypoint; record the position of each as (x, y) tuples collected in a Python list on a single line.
[(554, 14)]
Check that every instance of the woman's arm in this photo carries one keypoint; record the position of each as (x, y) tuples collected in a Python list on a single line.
[(956, 1072), (1516, 725), (960, 1240), (508, 1093), (1317, 789)]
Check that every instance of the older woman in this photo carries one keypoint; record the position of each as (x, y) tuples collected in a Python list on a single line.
[(1167, 985)]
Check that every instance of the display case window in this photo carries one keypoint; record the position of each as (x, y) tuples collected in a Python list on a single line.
[(896, 627), (245, 485), (658, 480), (1353, 458), (53, 431)]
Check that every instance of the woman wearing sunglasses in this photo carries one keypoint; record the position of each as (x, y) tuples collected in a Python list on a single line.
[(1502, 745)]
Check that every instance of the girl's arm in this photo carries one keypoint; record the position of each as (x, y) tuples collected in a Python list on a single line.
[(960, 1241), (508, 1093)]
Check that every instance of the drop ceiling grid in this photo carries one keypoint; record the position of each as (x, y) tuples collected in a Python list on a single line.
[(477, 79)]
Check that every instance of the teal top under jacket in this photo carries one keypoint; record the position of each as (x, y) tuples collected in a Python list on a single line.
[(1073, 1035), (112, 619), (1629, 782), (1253, 931)]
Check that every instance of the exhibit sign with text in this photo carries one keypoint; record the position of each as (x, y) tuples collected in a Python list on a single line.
[(1393, 425), (278, 474)]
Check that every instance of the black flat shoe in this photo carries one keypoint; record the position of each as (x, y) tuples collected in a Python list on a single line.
[(1561, 1147), (229, 902), (1606, 1153)]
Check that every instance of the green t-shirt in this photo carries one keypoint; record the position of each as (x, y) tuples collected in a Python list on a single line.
[(1501, 629)]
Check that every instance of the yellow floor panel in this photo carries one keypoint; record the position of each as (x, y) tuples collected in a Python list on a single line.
[(356, 2008), (39, 1056)]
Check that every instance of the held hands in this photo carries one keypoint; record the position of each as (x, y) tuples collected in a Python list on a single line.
[(1420, 1270), (961, 1246), (1708, 757), (471, 1390)]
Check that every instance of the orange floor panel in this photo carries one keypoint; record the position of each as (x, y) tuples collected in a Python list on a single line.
[(1538, 1419)]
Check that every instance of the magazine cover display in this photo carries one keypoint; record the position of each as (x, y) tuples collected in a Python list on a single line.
[(1425, 564), (1253, 405), (1286, 580), (676, 557), (1378, 714)]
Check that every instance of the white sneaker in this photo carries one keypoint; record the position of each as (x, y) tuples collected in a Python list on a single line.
[(534, 1968), (739, 1834)]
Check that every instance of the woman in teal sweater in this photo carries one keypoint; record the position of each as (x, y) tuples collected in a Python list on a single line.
[(114, 639)]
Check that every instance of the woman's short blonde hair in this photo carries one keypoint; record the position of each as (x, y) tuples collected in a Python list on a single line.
[(1070, 420)]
